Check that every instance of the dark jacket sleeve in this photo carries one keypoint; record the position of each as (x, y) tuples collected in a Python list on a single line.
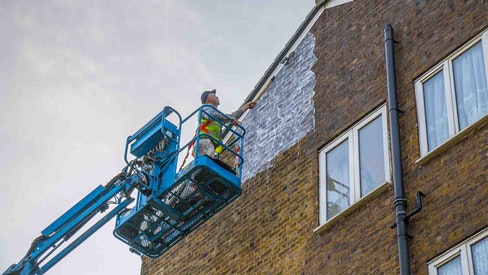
[(220, 117), (237, 113)]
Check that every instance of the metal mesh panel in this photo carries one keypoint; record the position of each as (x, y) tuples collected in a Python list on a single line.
[(195, 197)]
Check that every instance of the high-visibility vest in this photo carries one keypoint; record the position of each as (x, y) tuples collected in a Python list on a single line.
[(212, 128)]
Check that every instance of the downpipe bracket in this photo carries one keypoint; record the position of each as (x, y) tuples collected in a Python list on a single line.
[(417, 208), (400, 111)]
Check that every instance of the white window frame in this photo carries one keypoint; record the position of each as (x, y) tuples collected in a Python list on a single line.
[(463, 250), (354, 175), (452, 116)]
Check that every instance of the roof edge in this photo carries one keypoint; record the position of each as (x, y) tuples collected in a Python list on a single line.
[(268, 77), (268, 74)]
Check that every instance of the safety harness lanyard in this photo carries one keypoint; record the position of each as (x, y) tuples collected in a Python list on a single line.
[(203, 128)]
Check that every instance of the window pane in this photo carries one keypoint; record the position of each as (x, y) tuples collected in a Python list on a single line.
[(453, 267), (338, 184), (371, 156), (435, 111), (480, 257), (471, 86)]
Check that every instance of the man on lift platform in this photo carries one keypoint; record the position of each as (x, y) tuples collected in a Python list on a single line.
[(207, 146)]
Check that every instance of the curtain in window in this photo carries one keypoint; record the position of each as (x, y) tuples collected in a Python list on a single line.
[(338, 184), (435, 111), (453, 267), (371, 156), (471, 86), (480, 257)]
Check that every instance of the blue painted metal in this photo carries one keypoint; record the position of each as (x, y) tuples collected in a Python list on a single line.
[(185, 200), (85, 236), (153, 132), (200, 192), (170, 204), (73, 211), (44, 252)]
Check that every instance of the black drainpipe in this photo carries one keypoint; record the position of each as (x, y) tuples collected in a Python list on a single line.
[(400, 200)]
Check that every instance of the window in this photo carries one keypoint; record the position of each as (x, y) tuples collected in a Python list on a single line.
[(468, 258), (354, 165), (453, 95)]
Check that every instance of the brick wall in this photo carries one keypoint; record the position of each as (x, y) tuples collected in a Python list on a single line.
[(351, 81), (269, 229)]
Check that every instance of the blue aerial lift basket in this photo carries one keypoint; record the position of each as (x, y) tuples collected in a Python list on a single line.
[(182, 200)]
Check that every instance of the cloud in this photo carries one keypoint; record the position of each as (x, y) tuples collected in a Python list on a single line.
[(77, 77)]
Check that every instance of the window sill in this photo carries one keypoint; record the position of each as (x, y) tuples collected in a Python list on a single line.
[(346, 212), (453, 141)]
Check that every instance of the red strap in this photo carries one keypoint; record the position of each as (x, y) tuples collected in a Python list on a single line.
[(203, 127)]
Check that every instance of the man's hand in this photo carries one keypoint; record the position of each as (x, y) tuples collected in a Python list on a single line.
[(248, 105)]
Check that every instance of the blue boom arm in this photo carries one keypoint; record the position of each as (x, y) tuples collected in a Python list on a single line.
[(55, 241)]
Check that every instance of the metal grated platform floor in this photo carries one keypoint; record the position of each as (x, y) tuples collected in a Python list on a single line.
[(200, 192)]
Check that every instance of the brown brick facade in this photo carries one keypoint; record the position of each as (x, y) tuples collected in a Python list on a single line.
[(269, 229)]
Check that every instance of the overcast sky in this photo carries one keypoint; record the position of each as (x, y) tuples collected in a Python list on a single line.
[(78, 77)]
